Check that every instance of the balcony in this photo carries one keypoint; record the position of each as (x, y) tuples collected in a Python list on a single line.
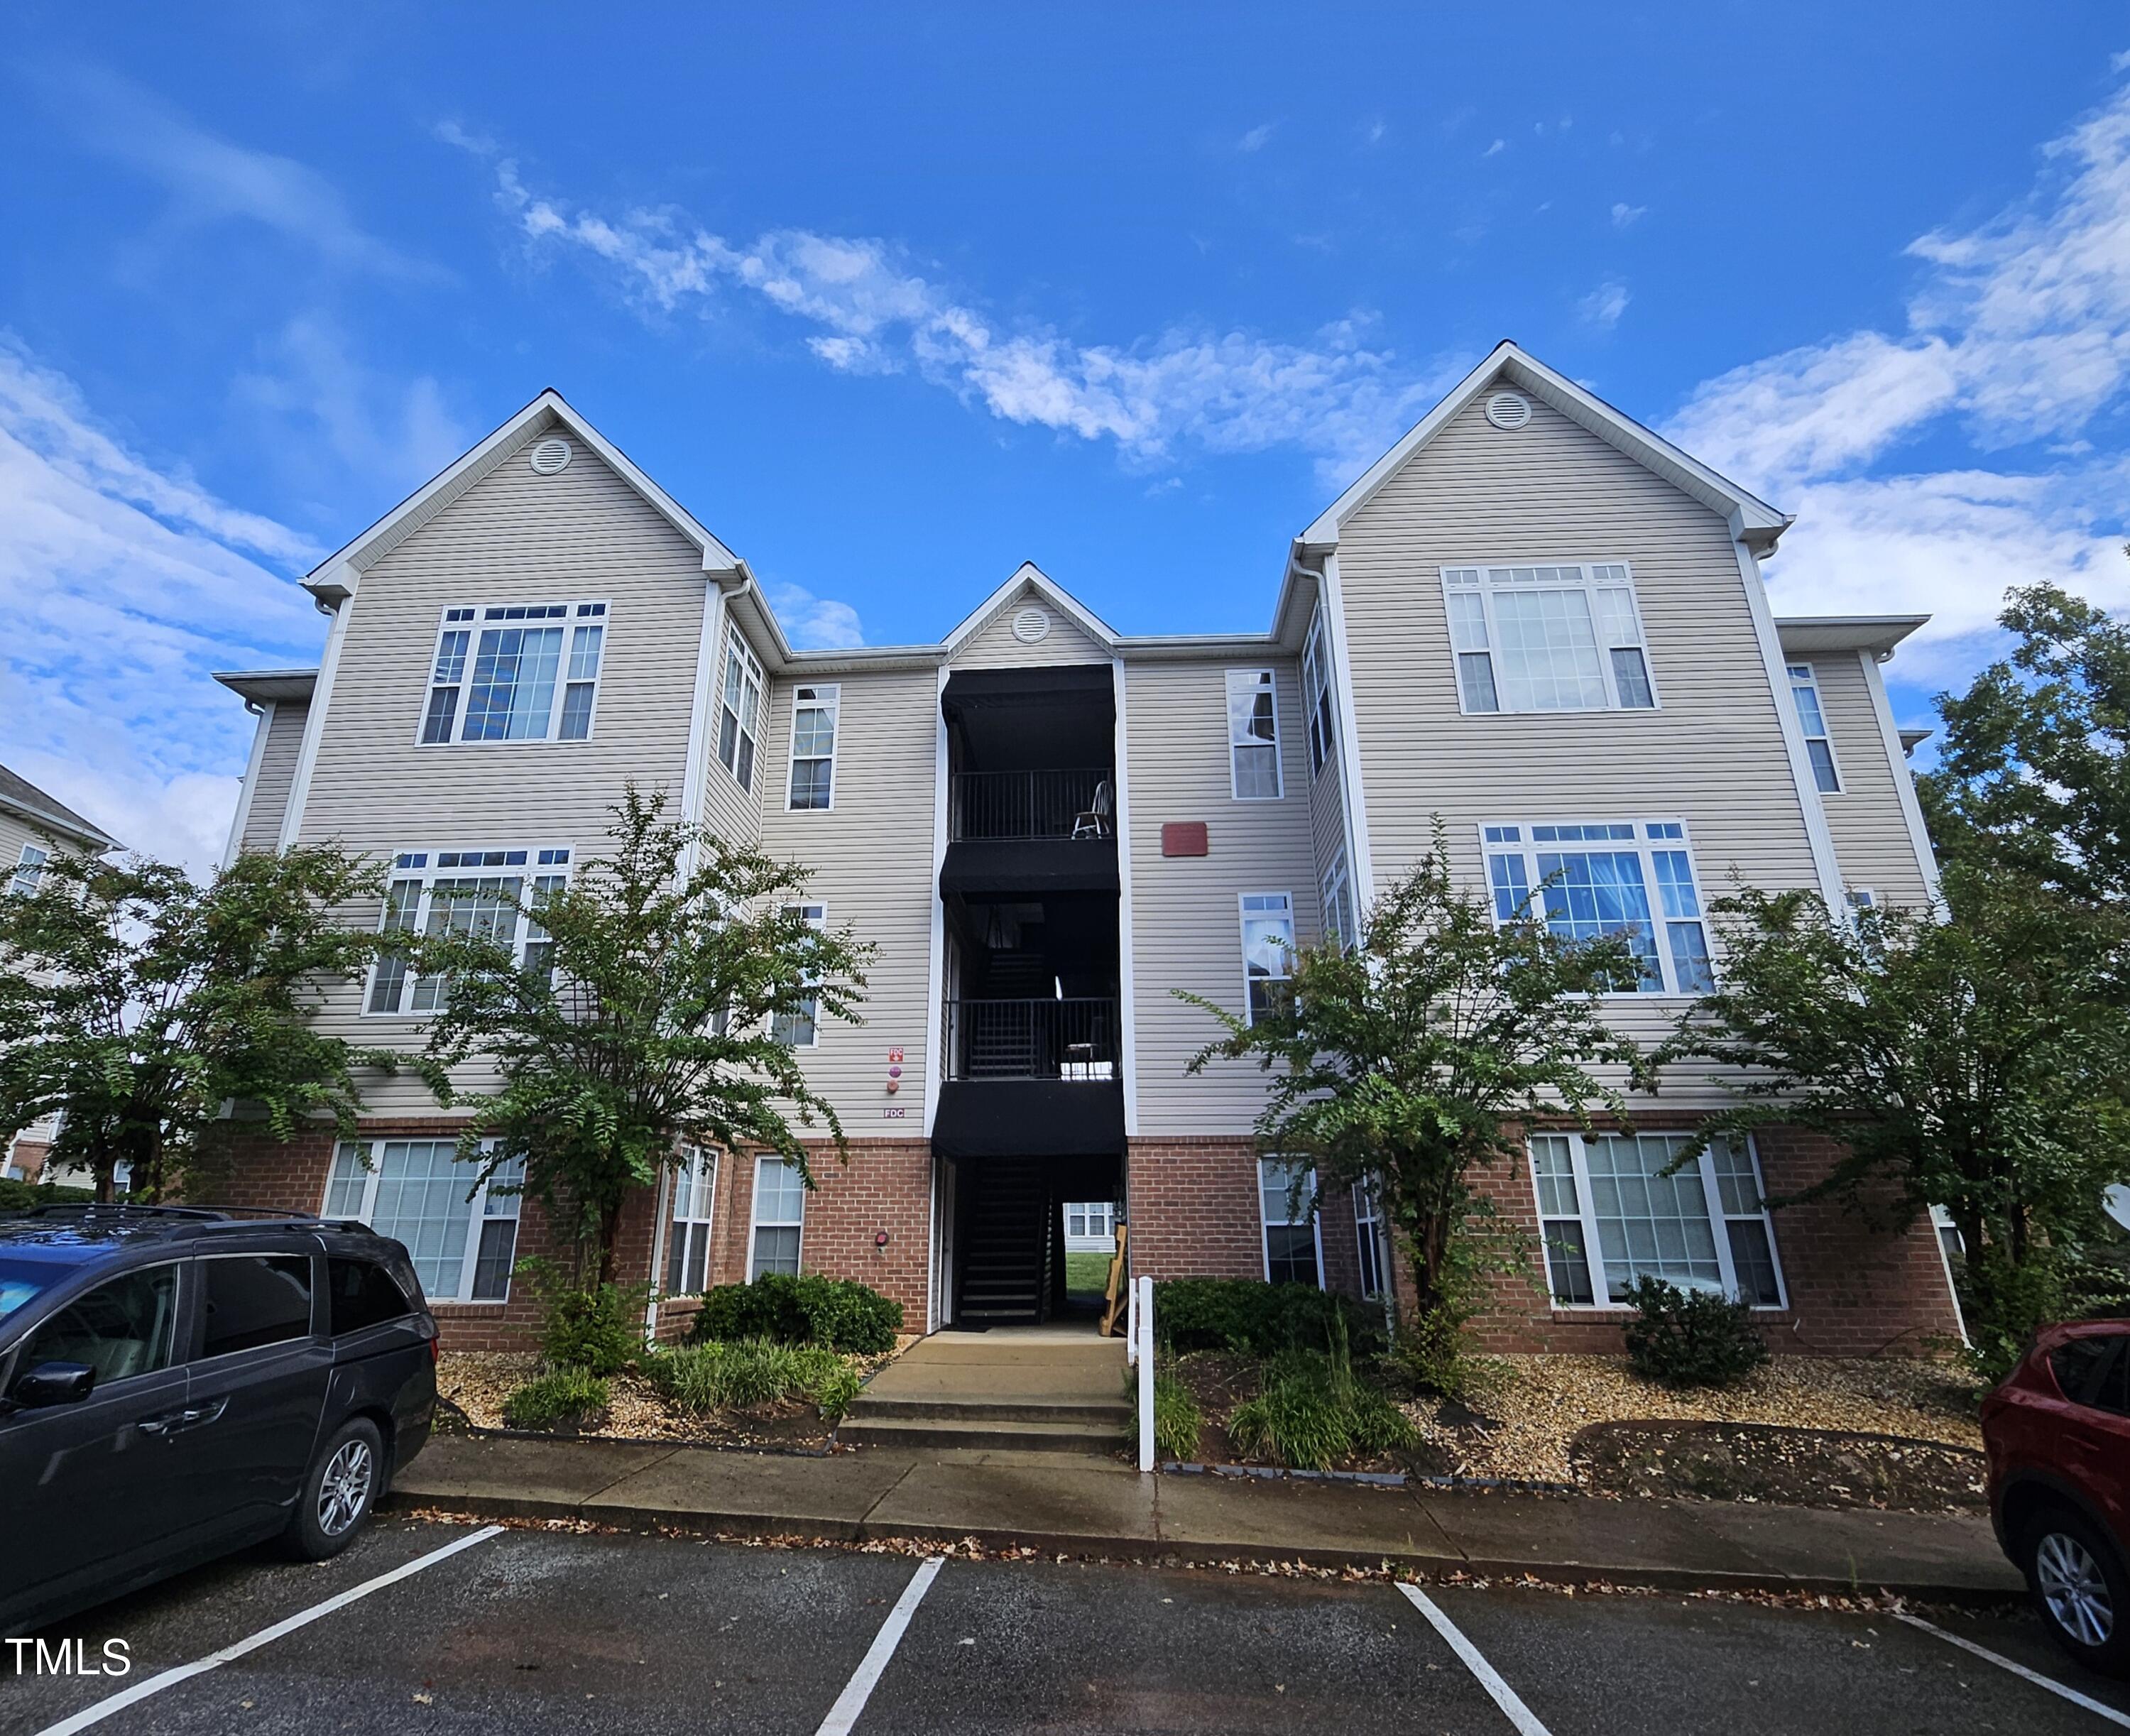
[(1031, 1077), (1076, 1040), (1031, 833)]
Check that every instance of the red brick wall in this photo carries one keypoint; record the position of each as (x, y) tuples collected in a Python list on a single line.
[(29, 1155)]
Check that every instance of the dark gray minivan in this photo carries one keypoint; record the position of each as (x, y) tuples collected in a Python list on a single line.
[(176, 1383)]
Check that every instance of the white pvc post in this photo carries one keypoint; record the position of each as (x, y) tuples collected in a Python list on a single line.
[(1131, 1323), (1146, 1375)]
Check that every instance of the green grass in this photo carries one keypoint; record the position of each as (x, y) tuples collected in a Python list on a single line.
[(1087, 1272), (722, 1373)]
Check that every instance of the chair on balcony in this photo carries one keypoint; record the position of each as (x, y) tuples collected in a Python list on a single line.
[(1093, 821)]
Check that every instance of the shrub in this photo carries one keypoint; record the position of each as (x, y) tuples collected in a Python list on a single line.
[(838, 1312), (721, 1374), (22, 1196), (1259, 1319), (1312, 1410), (1175, 1418), (599, 1330), (564, 1394), (1691, 1337)]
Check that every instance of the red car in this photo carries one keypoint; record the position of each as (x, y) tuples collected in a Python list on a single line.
[(2057, 1431)]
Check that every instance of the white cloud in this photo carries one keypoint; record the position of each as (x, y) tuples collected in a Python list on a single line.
[(1257, 137), (1625, 215), (1604, 305), (812, 623), (871, 309), (123, 584), (1496, 149), (2017, 335)]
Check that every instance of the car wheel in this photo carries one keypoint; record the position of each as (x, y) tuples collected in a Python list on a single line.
[(2081, 1589), (339, 1490)]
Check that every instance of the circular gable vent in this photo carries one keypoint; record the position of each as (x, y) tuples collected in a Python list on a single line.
[(1032, 625), (1509, 410), (550, 455)]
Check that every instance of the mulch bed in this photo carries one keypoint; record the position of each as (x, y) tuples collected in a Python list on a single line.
[(1220, 1381), (1805, 1467)]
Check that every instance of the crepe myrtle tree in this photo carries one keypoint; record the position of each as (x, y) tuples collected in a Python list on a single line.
[(136, 1003), (1414, 1060), (1973, 1056), (643, 1018)]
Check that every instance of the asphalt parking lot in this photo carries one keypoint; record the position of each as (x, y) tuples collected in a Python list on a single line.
[(540, 1631)]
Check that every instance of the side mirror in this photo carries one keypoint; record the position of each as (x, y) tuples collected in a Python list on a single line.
[(54, 1383)]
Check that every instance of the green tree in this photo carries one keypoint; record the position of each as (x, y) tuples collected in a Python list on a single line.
[(1415, 1060), (647, 1018), (2033, 774), (1976, 1058), (140, 1002)]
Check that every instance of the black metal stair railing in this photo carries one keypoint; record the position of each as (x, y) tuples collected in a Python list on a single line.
[(998, 806), (1073, 1039)]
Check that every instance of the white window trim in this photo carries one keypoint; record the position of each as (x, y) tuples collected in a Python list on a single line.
[(828, 697), (755, 1223), (569, 621), (373, 1173), (1265, 1225), (818, 920), (1590, 587), (1268, 680), (428, 873), (1594, 1255), (1642, 843), (1368, 1228), (1336, 890), (1807, 674), (1244, 914), (706, 1161), (1318, 696), (30, 870), (738, 648)]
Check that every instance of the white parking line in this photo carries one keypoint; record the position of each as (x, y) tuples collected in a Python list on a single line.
[(170, 1678), (858, 1689), (1489, 1678), (2034, 1677)]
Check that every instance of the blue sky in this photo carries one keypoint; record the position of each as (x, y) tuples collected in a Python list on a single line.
[(894, 298)]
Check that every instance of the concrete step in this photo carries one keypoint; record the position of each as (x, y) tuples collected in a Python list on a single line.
[(1097, 1412), (928, 1433)]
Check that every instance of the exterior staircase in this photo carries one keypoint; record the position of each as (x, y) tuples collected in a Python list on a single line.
[(1005, 1266), (1000, 1391)]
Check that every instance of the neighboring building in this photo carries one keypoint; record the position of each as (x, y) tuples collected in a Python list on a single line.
[(1532, 620), (33, 827)]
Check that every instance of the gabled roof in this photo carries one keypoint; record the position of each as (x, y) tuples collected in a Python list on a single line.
[(1029, 576), (336, 575), (20, 796), (1757, 523)]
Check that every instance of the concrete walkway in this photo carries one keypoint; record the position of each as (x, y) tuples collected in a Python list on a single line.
[(1091, 1507), (1028, 1389)]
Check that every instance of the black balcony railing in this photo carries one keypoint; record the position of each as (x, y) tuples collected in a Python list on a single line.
[(1031, 1039), (1018, 804)]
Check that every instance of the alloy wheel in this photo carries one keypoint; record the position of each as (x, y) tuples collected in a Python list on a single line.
[(2074, 1589), (344, 1490)]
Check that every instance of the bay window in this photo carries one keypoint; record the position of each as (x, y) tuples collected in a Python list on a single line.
[(1547, 638), (739, 710), (1812, 718), (1317, 695), (1588, 880)]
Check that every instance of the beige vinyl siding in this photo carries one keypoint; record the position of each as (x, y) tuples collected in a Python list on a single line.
[(513, 537), (1713, 756), (1187, 919), (15, 832), (1870, 832), (1327, 821), (992, 646), (731, 813), (871, 857), (284, 724)]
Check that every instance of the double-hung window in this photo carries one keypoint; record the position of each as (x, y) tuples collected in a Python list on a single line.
[(1089, 1217), (1317, 695), (29, 871), (1253, 772), (1812, 717), (1340, 924), (813, 747), (1368, 1234), (1286, 1206), (799, 1026), (1268, 950), (1609, 1213), (688, 1237), (460, 1232), (1587, 881), (739, 710), (780, 1218), (520, 672), (492, 893), (1547, 638)]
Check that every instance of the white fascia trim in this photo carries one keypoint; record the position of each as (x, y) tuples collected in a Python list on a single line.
[(1904, 781), (236, 820), (935, 989), (1826, 864), (1360, 857), (1033, 577), (1127, 978), (1753, 517), (314, 725), (697, 774)]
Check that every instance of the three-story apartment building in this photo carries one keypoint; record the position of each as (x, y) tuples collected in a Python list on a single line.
[(1532, 620)]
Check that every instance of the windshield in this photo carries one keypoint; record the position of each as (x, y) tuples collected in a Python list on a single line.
[(23, 1280)]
